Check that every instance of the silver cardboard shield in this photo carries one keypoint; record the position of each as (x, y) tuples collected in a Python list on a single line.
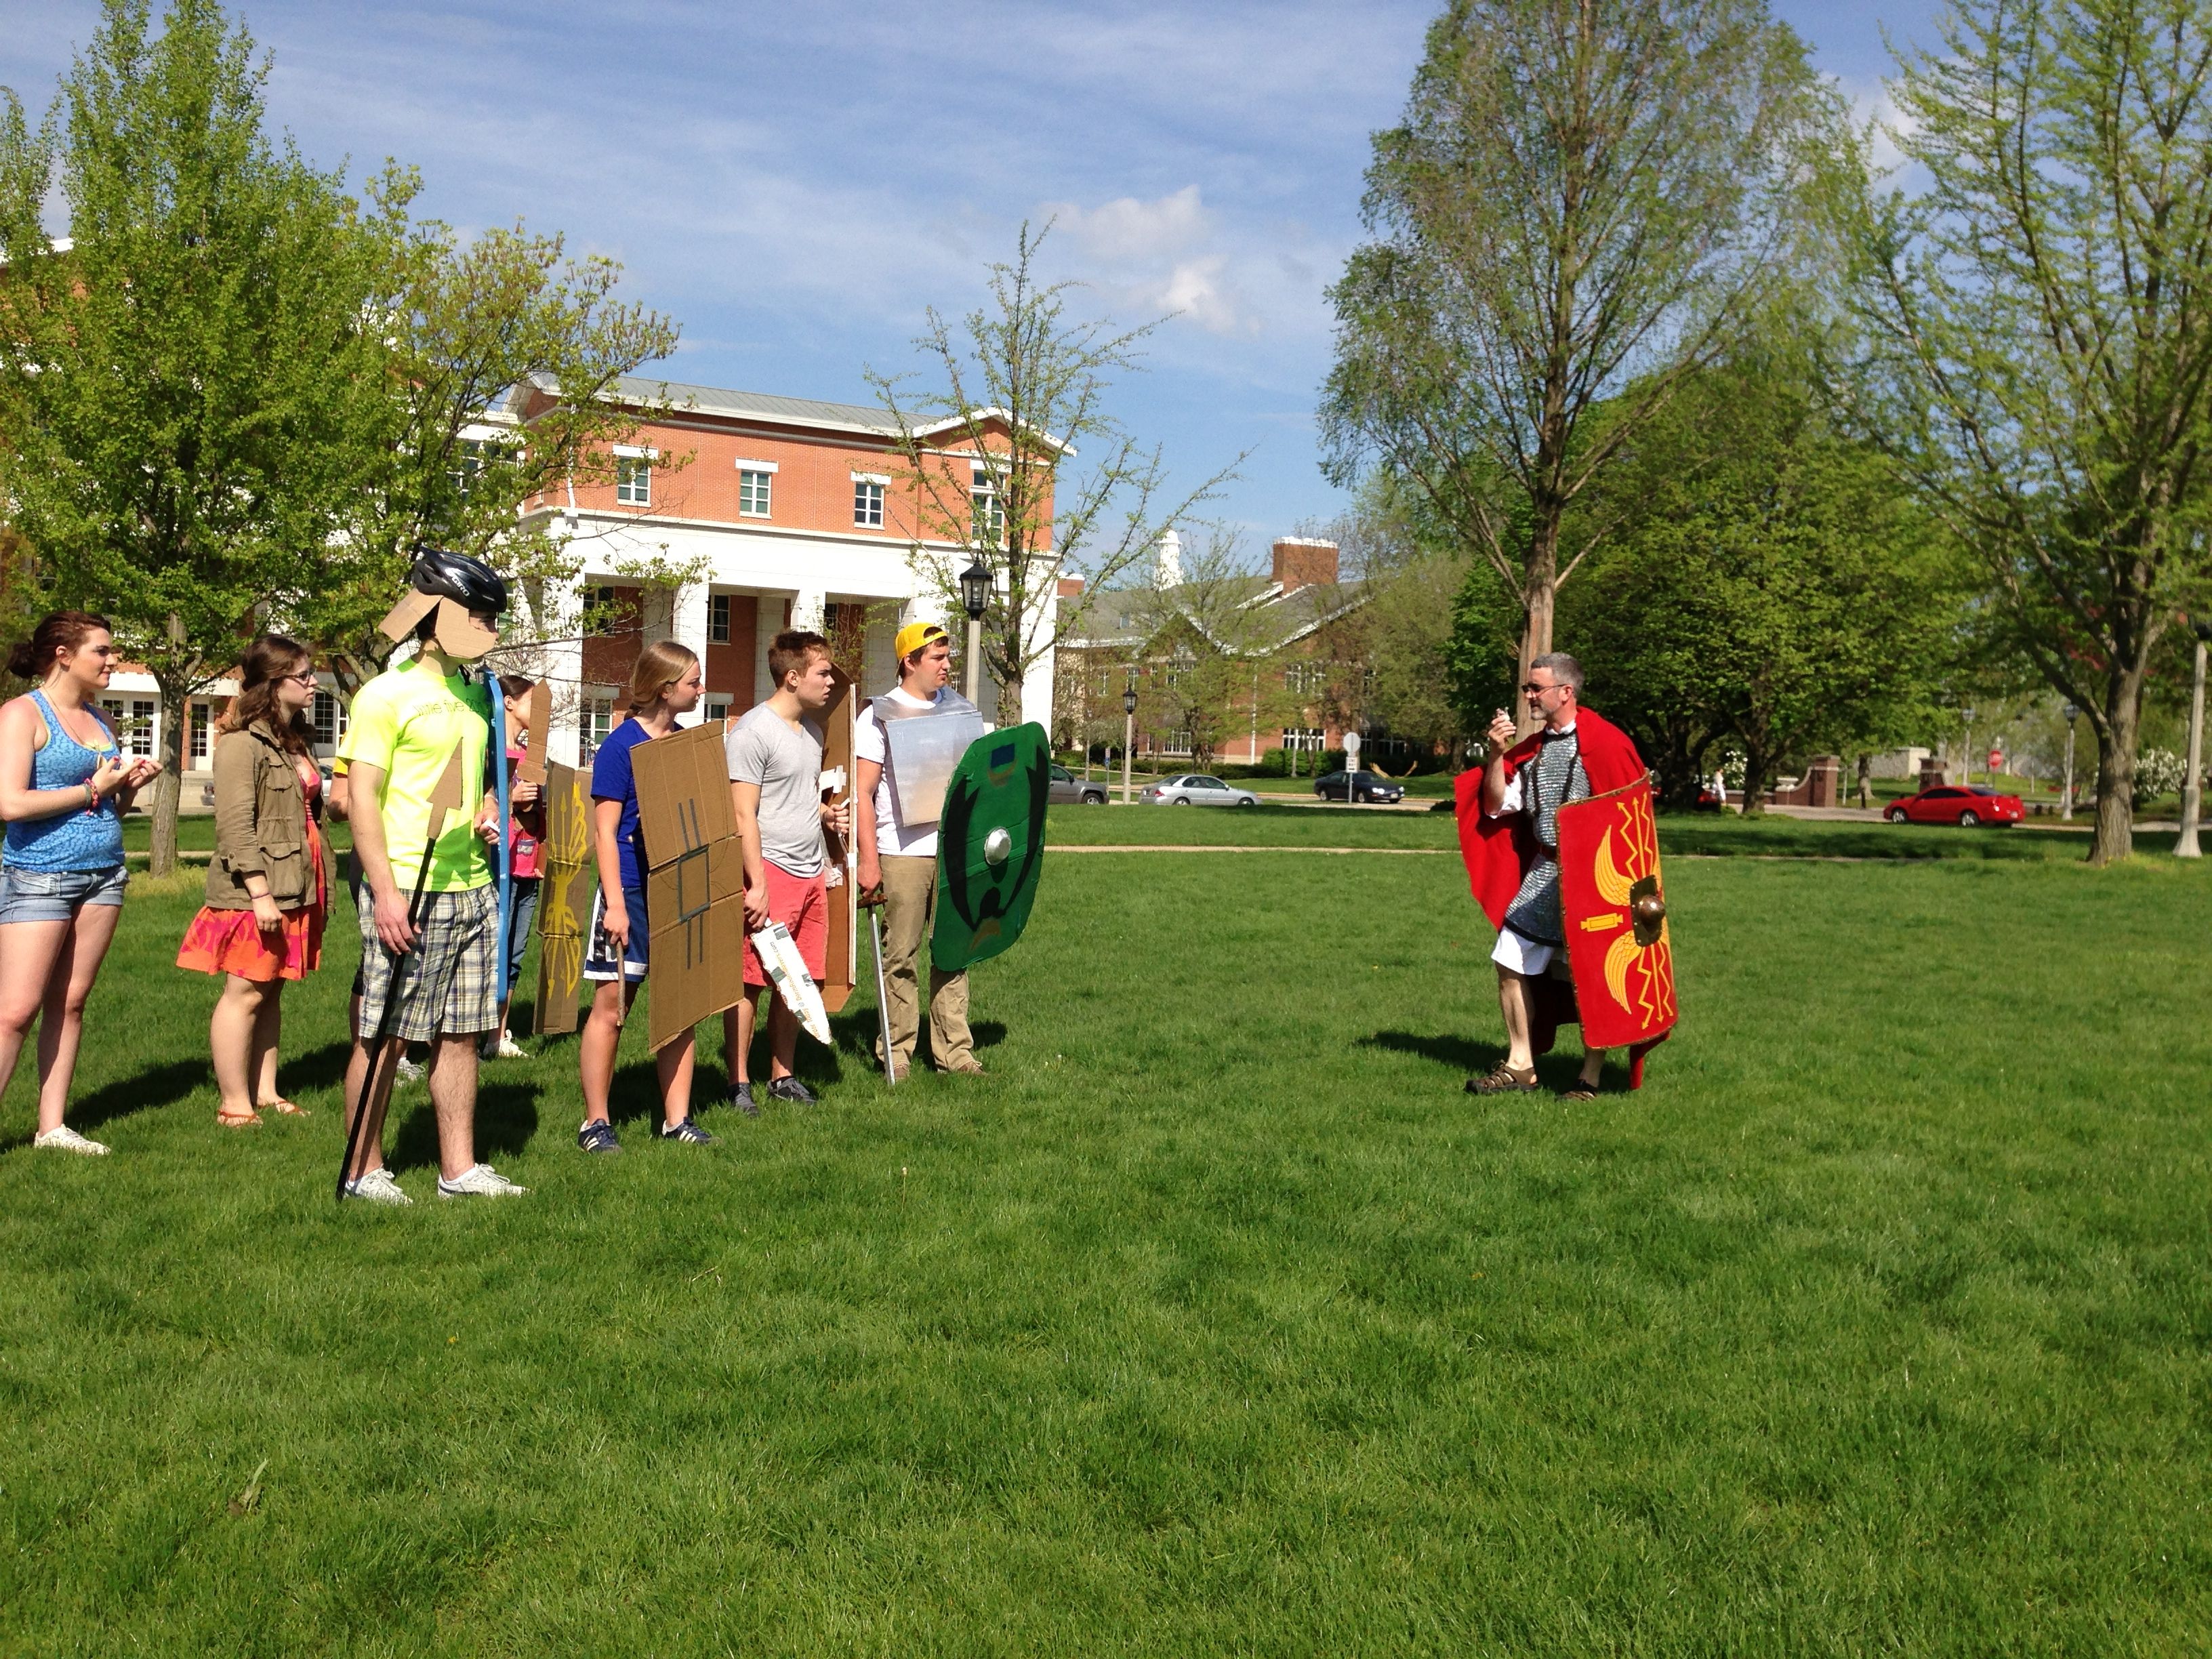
[(924, 749)]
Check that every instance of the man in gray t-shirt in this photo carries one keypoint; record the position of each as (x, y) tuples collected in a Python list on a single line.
[(774, 756)]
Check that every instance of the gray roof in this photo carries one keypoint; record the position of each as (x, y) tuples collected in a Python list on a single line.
[(871, 418), (1124, 618)]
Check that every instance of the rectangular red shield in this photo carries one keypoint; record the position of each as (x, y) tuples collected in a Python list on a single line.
[(1615, 914)]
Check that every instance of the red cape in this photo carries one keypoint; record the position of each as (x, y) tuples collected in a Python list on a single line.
[(1498, 851)]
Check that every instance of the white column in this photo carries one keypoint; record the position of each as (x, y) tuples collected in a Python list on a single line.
[(687, 619), (564, 669), (769, 624)]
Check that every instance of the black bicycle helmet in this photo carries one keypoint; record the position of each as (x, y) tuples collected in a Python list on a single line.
[(457, 576)]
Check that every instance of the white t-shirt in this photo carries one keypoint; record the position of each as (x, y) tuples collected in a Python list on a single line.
[(893, 838)]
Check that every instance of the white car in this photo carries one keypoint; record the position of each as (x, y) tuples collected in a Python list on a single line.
[(1195, 789)]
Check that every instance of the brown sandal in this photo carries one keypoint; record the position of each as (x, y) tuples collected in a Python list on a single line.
[(1503, 1081), (1581, 1092), (246, 1120)]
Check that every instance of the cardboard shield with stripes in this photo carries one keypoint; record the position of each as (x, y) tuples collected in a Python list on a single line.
[(694, 883), (564, 907), (1615, 913)]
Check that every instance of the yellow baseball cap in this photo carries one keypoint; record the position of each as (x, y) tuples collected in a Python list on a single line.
[(914, 635)]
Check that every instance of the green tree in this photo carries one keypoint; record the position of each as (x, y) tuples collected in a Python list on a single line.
[(1212, 665), (1581, 199), (182, 380), (500, 357), (986, 454), (2037, 342), (1776, 589)]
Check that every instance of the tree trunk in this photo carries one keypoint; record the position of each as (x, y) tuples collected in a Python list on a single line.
[(1756, 767), (1866, 779), (1543, 603), (2116, 738), (168, 786)]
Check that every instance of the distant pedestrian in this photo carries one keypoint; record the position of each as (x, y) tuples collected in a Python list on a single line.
[(665, 682), (774, 756), (525, 837), (64, 785), (268, 885)]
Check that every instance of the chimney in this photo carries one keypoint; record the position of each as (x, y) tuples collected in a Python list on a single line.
[(1071, 586), (1304, 561), (1170, 572)]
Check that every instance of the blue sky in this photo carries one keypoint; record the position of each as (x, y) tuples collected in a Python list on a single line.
[(795, 183)]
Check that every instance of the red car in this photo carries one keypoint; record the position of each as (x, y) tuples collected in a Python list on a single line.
[(1953, 803)]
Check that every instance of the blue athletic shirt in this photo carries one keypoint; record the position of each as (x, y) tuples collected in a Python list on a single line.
[(613, 780)]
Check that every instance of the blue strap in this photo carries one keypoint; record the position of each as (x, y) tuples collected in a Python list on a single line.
[(506, 826)]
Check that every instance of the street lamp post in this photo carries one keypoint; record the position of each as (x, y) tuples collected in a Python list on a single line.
[(1128, 731), (975, 597), (1967, 755), (2066, 796), (2192, 786)]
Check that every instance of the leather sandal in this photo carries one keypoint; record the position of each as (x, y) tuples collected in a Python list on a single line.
[(1582, 1090), (1504, 1081), (245, 1119)]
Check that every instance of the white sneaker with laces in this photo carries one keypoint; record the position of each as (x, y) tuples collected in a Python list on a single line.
[(510, 1049), (478, 1181), (378, 1187), (66, 1140), (409, 1071)]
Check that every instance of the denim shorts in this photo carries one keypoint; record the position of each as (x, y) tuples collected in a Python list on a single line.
[(56, 895)]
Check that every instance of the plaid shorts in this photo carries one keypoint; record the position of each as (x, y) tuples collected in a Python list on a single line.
[(449, 982)]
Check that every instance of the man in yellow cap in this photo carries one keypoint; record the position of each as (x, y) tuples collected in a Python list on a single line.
[(899, 860)]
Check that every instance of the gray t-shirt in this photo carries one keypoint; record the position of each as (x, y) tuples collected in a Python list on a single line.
[(787, 766)]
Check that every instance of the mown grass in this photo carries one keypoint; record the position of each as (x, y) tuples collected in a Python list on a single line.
[(1215, 1319)]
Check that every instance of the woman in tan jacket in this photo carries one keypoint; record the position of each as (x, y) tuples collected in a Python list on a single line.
[(267, 886)]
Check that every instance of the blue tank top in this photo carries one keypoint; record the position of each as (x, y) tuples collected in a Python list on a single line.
[(80, 839)]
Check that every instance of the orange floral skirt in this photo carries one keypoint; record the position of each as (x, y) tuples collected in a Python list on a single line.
[(231, 942)]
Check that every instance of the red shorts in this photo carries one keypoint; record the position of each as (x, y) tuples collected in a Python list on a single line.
[(801, 903)]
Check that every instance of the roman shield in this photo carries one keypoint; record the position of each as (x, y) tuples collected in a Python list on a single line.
[(990, 846), (1615, 912)]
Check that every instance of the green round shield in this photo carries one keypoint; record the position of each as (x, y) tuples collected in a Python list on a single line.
[(990, 846)]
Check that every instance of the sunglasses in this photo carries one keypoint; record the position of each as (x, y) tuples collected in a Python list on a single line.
[(1531, 686)]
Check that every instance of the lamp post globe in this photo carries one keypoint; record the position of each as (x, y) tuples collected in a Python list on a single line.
[(1128, 730)]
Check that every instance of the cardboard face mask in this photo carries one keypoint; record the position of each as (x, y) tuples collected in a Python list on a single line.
[(459, 635)]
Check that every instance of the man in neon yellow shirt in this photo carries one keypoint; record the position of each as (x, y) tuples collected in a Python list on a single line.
[(409, 723)]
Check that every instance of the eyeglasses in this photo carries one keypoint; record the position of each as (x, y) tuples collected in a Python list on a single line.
[(1531, 686), (306, 678)]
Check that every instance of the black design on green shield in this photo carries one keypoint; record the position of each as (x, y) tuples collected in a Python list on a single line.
[(990, 846)]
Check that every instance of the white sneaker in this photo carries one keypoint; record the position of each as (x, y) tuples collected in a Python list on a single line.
[(478, 1181), (378, 1187), (66, 1140), (510, 1049), (409, 1071)]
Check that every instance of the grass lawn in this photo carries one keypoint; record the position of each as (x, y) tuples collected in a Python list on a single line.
[(1216, 1319)]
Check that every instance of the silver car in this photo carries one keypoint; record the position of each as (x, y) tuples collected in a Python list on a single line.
[(1196, 789), (1068, 790)]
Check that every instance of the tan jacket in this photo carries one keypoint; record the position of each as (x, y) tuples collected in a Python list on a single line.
[(260, 823)]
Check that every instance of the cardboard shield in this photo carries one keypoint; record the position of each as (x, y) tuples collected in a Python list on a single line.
[(564, 906), (1615, 911), (990, 846), (694, 883), (922, 752)]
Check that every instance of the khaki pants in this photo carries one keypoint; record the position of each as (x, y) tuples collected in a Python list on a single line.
[(909, 906)]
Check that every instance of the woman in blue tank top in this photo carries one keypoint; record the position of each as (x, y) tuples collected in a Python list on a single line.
[(64, 785)]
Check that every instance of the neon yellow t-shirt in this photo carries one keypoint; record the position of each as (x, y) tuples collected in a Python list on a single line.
[(409, 721)]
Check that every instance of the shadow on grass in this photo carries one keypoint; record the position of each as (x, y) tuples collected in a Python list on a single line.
[(318, 1068), (164, 1086), (506, 1117), (1459, 1053)]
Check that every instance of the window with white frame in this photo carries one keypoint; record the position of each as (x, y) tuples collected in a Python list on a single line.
[(990, 518), (1176, 741), (1306, 738), (599, 721), (603, 610), (718, 619), (199, 737), (753, 483), (326, 719), (714, 707), (633, 481), (470, 455), (868, 501), (134, 723), (1306, 679)]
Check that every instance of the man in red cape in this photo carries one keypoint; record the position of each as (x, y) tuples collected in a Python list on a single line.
[(1508, 834)]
